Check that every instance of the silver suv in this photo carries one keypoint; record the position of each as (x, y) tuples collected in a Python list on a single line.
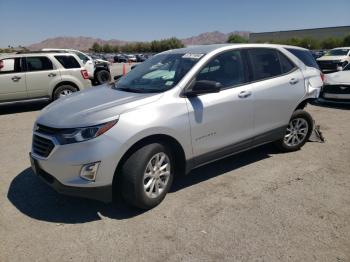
[(178, 110), (40, 76)]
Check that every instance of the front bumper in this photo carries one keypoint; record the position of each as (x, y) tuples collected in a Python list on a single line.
[(101, 193), (335, 93)]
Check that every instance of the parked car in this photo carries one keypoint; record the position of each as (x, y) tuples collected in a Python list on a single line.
[(98, 69), (40, 76), (176, 111), (337, 87), (131, 58), (334, 60), (141, 58), (120, 59)]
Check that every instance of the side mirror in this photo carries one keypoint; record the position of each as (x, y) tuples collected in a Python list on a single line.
[(117, 77), (204, 87)]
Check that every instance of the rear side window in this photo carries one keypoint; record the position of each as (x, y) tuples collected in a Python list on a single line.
[(68, 61), (10, 65), (227, 68), (38, 63), (305, 56), (265, 63)]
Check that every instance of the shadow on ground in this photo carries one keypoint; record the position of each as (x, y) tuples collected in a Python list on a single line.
[(37, 200), (343, 106), (21, 107)]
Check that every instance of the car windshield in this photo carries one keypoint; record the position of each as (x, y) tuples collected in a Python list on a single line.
[(158, 74), (337, 52)]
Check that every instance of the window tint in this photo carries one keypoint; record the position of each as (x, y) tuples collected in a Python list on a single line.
[(226, 68), (38, 63), (265, 63), (286, 64), (11, 65), (305, 56), (68, 61)]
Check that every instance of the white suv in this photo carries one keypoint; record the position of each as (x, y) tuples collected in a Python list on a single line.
[(174, 112), (40, 76), (98, 69), (335, 59)]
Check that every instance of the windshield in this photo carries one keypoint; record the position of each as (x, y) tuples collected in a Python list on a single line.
[(337, 52), (158, 74)]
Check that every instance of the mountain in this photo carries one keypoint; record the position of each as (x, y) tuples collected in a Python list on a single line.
[(84, 43), (215, 37)]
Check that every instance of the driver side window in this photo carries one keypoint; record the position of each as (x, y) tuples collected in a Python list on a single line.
[(226, 68)]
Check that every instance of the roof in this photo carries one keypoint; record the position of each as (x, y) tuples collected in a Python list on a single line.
[(10, 55), (205, 49)]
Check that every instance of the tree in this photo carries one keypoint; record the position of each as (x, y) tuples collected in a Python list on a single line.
[(346, 40), (236, 39), (96, 47), (107, 48), (331, 42)]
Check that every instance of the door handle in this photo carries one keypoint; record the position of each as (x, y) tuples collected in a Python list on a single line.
[(51, 75), (244, 94), (15, 78), (293, 81)]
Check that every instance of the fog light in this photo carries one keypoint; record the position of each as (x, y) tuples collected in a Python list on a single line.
[(89, 171)]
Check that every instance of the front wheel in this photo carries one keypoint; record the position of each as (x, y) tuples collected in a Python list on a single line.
[(297, 132), (147, 176)]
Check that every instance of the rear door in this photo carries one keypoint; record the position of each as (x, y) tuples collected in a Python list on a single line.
[(12, 80), (41, 74), (278, 86)]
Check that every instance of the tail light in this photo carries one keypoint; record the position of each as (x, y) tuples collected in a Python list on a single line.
[(85, 74), (1, 64), (322, 76)]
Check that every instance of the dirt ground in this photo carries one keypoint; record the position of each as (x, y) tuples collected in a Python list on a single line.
[(260, 205)]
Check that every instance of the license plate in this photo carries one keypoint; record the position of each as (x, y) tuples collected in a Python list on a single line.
[(34, 164)]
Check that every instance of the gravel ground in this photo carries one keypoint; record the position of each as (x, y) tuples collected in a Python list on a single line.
[(256, 206)]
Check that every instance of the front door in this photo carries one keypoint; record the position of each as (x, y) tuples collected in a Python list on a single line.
[(222, 122)]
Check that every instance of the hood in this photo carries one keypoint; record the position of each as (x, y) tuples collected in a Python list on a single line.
[(341, 77), (92, 106), (331, 58)]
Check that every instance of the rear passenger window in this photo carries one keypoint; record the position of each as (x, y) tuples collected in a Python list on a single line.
[(227, 69), (38, 63), (68, 61), (265, 63), (286, 65), (305, 56)]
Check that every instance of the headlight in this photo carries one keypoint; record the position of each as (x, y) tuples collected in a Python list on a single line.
[(74, 135)]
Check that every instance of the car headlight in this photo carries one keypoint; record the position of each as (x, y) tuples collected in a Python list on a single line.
[(74, 135)]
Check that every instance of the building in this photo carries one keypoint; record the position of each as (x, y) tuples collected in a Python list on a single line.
[(316, 33)]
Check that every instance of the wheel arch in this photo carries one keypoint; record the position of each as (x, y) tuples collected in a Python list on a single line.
[(173, 144), (63, 83)]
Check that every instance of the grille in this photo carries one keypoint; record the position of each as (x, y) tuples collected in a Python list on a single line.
[(42, 146), (336, 89), (47, 130), (327, 65)]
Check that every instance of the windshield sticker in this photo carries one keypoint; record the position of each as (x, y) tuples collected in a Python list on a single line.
[(192, 56), (169, 83)]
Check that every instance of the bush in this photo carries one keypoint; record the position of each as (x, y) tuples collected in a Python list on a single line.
[(236, 39)]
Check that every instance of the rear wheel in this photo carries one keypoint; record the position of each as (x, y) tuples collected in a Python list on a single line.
[(147, 176), (103, 76), (64, 90), (297, 132)]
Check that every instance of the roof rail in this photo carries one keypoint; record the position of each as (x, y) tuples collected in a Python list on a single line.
[(39, 52)]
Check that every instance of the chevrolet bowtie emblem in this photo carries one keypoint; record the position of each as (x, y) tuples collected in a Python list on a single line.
[(343, 87)]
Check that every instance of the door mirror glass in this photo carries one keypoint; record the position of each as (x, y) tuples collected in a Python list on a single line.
[(204, 87)]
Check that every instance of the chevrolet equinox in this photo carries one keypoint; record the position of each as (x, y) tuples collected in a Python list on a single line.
[(176, 111)]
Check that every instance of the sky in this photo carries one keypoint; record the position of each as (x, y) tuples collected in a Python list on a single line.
[(24, 22)]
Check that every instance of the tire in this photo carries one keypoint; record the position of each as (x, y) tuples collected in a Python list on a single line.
[(103, 76), (136, 175), (63, 90), (297, 132)]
